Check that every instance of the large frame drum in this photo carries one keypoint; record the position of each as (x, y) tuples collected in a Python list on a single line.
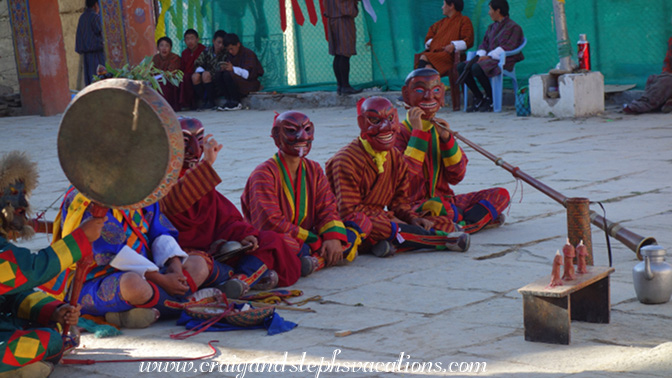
[(113, 157)]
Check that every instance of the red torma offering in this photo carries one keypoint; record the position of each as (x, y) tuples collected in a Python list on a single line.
[(582, 251), (555, 273), (568, 251)]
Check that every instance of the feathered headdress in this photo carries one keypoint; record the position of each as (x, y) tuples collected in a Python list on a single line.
[(15, 167)]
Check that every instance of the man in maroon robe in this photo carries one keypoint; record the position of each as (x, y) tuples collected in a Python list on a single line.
[(189, 56), (204, 217)]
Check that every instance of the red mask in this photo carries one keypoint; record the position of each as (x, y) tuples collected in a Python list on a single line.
[(425, 92), (378, 122), (192, 132), (293, 133)]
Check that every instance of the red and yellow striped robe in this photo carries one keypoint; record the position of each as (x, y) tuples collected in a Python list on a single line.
[(266, 206), (433, 170), (362, 193)]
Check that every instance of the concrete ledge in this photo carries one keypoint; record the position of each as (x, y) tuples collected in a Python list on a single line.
[(309, 100), (288, 101)]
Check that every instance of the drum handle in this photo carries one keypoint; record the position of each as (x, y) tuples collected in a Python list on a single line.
[(136, 113)]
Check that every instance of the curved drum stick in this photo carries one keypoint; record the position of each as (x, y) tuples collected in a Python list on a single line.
[(83, 265)]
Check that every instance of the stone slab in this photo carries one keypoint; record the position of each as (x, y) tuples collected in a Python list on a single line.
[(410, 304)]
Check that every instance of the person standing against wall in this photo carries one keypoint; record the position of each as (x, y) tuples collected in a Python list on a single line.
[(342, 40), (89, 40)]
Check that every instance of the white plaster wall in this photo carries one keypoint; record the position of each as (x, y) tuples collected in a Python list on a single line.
[(70, 11)]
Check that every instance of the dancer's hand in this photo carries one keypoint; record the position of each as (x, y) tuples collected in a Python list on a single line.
[(66, 314), (250, 239), (210, 149), (173, 283), (443, 128), (331, 251), (422, 222), (415, 117), (92, 228)]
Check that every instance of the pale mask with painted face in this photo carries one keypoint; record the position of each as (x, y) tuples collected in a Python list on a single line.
[(425, 92)]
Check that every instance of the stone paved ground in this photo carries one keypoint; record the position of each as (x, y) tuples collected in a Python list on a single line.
[(438, 307)]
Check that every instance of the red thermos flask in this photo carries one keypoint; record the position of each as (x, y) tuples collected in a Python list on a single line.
[(583, 48)]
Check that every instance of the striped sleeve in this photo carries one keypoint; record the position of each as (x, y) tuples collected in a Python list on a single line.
[(36, 306), (21, 270), (191, 187), (451, 153), (417, 145), (413, 144)]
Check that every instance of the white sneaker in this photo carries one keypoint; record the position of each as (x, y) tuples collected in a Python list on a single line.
[(237, 106)]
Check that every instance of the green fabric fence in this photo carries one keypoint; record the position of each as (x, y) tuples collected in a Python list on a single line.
[(628, 38)]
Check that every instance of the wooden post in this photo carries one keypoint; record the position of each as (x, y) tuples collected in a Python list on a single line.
[(578, 224), (40, 56)]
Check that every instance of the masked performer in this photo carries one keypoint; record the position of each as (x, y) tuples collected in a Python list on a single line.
[(369, 175), (502, 35), (289, 194), (139, 264), (30, 343), (453, 33), (204, 217), (436, 161)]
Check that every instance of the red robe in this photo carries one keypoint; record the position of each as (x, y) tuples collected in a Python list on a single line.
[(170, 92), (434, 166), (267, 206), (187, 98), (202, 216), (362, 193)]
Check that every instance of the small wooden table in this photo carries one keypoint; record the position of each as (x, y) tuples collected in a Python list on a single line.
[(548, 311)]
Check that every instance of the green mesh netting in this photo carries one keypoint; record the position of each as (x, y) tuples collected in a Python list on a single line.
[(628, 38)]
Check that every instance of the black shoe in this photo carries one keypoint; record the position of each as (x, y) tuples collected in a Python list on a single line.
[(349, 90), (486, 105), (207, 106), (477, 104), (338, 90)]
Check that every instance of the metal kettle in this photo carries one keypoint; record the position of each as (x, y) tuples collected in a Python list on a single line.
[(653, 276)]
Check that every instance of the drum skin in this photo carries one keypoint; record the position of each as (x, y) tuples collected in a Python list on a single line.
[(108, 161)]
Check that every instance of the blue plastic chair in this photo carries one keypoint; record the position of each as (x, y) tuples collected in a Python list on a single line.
[(497, 82)]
